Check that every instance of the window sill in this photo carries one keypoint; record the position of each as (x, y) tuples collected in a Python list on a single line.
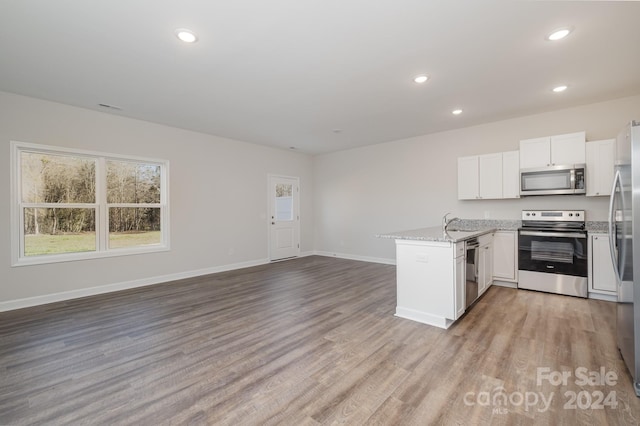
[(73, 257)]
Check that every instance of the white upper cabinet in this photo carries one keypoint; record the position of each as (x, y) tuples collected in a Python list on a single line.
[(600, 159), (468, 188), (511, 174), (535, 152), (490, 173), (568, 149), (480, 177), (553, 151)]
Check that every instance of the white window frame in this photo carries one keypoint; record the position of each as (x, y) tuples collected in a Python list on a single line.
[(101, 206)]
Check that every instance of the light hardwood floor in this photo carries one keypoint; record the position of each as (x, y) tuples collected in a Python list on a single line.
[(306, 341)]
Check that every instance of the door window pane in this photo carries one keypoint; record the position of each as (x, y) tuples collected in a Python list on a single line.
[(284, 202), (134, 226), (59, 230)]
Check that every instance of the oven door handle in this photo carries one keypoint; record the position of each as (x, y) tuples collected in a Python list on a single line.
[(553, 234)]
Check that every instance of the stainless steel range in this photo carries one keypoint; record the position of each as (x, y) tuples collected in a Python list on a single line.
[(552, 252)]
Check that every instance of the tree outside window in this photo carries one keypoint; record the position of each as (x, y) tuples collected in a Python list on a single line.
[(71, 203)]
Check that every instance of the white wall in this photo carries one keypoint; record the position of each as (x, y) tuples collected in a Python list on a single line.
[(347, 197), (411, 183), (203, 171)]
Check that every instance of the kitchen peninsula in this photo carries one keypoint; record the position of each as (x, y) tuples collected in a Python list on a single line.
[(441, 273)]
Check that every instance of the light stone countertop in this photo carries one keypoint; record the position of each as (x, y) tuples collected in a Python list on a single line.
[(435, 233), (597, 227), (463, 229)]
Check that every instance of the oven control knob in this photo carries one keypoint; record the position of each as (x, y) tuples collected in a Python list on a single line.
[(570, 214), (528, 214), (577, 214), (533, 214)]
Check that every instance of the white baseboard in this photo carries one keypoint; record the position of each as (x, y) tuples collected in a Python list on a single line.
[(605, 297), (356, 257), (108, 288), (508, 284), (423, 317)]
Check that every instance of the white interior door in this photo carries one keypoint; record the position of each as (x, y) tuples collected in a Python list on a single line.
[(284, 223)]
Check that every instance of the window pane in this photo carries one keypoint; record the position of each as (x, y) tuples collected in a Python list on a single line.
[(59, 230), (129, 182), (134, 226), (47, 178), (284, 201)]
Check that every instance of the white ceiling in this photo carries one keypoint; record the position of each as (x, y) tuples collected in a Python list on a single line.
[(288, 72)]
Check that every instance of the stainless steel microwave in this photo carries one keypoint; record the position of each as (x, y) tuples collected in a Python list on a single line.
[(554, 180)]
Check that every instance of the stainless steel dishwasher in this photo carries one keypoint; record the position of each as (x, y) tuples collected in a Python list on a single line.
[(472, 249)]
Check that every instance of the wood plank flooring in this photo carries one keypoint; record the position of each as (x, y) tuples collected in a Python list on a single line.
[(305, 342)]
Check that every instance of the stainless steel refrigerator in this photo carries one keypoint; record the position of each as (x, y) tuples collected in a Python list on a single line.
[(624, 239)]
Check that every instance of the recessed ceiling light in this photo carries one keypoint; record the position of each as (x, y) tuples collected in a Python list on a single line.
[(186, 35), (559, 34), (456, 112), (559, 89), (421, 78)]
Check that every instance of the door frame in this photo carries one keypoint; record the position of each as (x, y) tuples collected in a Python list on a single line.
[(270, 208)]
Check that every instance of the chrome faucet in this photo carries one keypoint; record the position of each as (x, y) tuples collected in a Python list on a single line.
[(445, 222)]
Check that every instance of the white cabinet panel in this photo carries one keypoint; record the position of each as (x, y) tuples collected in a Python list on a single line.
[(460, 286), (602, 278), (568, 149), (511, 174), (480, 176), (505, 255), (468, 168), (431, 281), (425, 280), (535, 152), (490, 173), (553, 150), (485, 264), (600, 164)]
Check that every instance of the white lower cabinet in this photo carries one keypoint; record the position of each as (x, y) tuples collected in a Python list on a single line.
[(485, 263), (505, 256), (461, 279), (430, 281), (602, 279)]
